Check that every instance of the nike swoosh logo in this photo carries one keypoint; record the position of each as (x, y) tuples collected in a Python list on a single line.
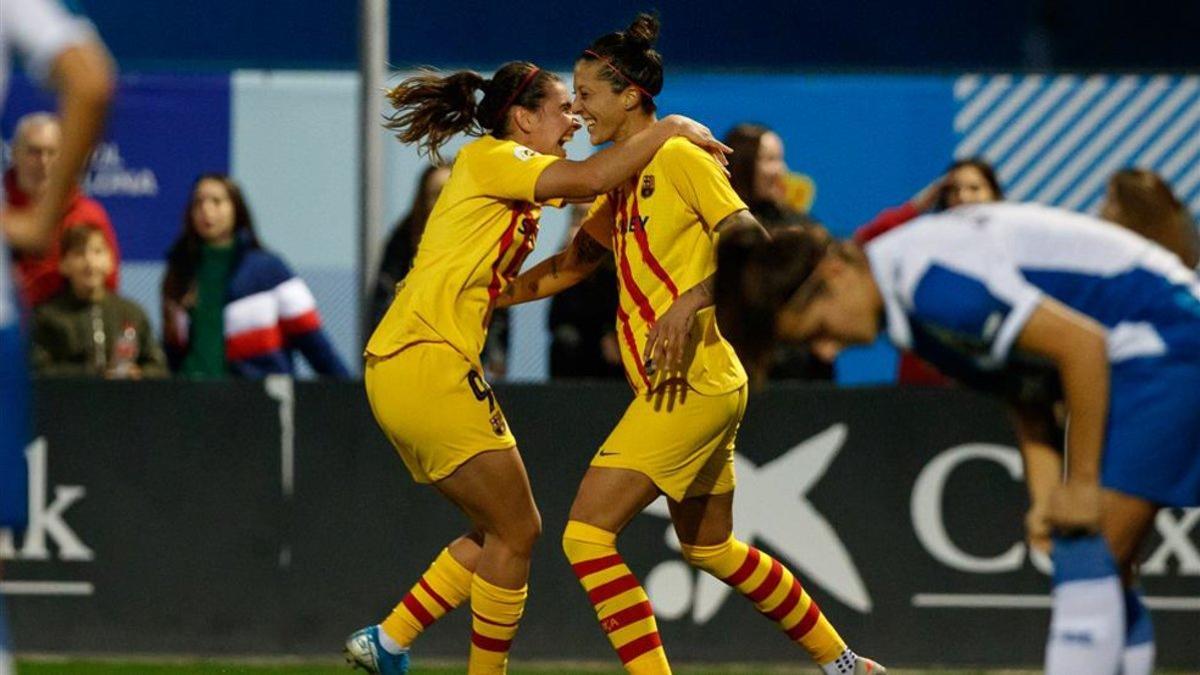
[(605, 453)]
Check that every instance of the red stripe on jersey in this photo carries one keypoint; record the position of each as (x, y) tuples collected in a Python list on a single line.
[(490, 644), (506, 241), (612, 589), (639, 233), (768, 585), (631, 344), (806, 624), (627, 282), (629, 615), (743, 573), (252, 343), (642, 645), (526, 247), (588, 567), (418, 610), (433, 594), (789, 603)]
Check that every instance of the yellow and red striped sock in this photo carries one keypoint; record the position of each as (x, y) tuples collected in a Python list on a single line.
[(775, 592), (621, 603), (495, 613), (444, 586)]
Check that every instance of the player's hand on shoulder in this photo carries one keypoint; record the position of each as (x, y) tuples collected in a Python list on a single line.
[(698, 134)]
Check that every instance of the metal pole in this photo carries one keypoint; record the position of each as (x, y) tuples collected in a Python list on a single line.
[(372, 63)]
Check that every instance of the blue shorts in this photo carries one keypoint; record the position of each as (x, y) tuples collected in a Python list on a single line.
[(1153, 439), (14, 429)]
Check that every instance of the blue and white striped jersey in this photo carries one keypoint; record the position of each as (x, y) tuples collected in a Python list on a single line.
[(958, 286)]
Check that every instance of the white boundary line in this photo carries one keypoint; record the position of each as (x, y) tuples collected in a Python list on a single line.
[(1013, 601), (47, 588)]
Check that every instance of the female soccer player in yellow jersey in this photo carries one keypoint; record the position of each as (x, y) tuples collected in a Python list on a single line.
[(677, 436), (423, 375)]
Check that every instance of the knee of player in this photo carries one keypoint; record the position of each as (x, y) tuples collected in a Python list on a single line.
[(706, 557)]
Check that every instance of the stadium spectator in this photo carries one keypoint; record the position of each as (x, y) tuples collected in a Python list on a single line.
[(402, 243), (36, 144), (87, 330), (761, 178), (583, 339), (1140, 200), (229, 306), (966, 181)]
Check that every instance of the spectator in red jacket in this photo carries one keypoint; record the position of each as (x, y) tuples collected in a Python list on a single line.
[(36, 142), (966, 181)]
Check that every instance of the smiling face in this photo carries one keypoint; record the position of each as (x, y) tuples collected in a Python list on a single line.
[(551, 126), (605, 113)]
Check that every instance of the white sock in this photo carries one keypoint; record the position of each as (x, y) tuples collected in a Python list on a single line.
[(1138, 658), (842, 665), (389, 645), (1087, 622)]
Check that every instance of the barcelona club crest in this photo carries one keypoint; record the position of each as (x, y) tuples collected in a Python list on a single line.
[(498, 424), (647, 186)]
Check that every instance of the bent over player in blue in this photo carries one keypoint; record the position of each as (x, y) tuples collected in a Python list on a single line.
[(1034, 304)]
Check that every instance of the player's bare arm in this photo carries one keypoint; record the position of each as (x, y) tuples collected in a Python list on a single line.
[(1036, 437), (610, 167), (668, 336), (1077, 346), (83, 76), (556, 273)]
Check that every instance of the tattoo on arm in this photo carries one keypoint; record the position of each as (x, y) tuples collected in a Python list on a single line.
[(738, 220), (586, 249)]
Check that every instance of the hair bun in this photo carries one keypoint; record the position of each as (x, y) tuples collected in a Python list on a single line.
[(643, 32)]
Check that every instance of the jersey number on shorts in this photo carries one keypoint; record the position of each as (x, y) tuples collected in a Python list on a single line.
[(481, 389)]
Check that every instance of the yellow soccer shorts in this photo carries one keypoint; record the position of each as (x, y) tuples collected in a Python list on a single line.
[(436, 409), (681, 440)]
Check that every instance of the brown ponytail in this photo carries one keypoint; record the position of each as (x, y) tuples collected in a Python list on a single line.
[(431, 108)]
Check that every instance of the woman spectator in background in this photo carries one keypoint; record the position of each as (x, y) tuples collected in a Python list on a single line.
[(402, 243), (231, 307), (777, 199), (966, 181), (761, 178), (1141, 201)]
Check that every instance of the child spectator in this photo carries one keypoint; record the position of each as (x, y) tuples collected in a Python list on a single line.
[(85, 330)]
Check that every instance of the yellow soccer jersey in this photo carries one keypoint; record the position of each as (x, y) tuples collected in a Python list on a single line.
[(664, 242), (482, 227)]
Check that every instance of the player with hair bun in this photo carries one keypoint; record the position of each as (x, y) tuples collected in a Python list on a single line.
[(677, 436), (423, 374)]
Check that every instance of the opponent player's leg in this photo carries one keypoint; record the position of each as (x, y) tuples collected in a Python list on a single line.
[(704, 525), (1125, 522), (493, 490), (608, 498)]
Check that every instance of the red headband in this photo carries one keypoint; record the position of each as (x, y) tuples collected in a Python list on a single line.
[(517, 92), (632, 82)]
